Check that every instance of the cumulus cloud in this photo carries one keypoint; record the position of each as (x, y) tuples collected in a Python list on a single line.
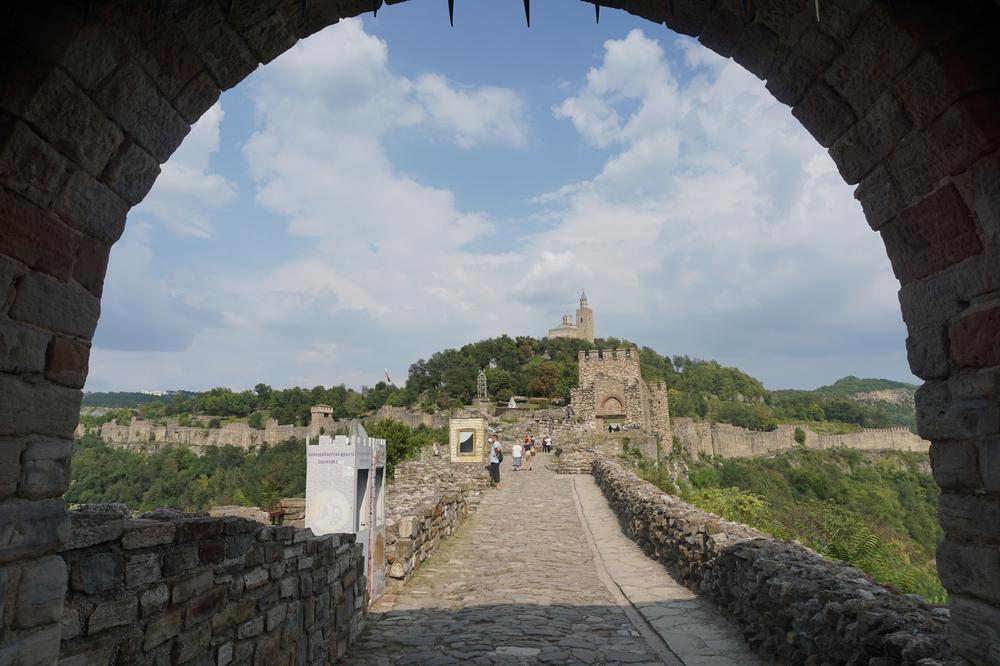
[(187, 191), (717, 223)]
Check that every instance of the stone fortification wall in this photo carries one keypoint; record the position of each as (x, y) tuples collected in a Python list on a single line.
[(620, 363), (176, 589), (427, 501), (728, 441), (142, 435), (789, 602), (412, 419)]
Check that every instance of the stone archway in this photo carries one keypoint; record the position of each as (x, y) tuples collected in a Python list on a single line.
[(611, 405), (904, 97)]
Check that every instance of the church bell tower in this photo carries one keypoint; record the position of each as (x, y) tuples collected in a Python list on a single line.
[(584, 320)]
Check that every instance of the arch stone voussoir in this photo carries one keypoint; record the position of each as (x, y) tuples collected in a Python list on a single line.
[(906, 96)]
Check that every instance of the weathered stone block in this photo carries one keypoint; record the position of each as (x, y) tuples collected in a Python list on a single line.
[(197, 97), (723, 28), (970, 518), (113, 614), (986, 197), (181, 560), (251, 628), (22, 348), (270, 37), (132, 100), (688, 18), (193, 529), (29, 528), (154, 599), (970, 569), (66, 361), (141, 533), (162, 628), (41, 592), (965, 132), (255, 578), (35, 238), (756, 50), (823, 113), (44, 468), (36, 648), (204, 607), (989, 464), (879, 196), (975, 338), (97, 572), (192, 586), (142, 569), (71, 625), (974, 628), (10, 466), (92, 207), (223, 51), (91, 264), (876, 54), (955, 464), (29, 166), (57, 306), (131, 173), (927, 352), (192, 644), (871, 139), (931, 235), (63, 114)]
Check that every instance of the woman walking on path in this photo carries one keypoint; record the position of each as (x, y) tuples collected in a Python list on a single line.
[(496, 455), (529, 453)]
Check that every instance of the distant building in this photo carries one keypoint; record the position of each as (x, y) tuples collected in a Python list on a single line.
[(612, 391), (582, 328)]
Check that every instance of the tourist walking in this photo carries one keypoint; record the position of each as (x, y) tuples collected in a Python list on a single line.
[(496, 455), (529, 453), (516, 452)]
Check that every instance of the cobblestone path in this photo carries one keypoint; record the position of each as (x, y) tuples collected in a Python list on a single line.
[(522, 583)]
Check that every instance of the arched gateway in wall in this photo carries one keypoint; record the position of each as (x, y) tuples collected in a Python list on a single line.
[(95, 95)]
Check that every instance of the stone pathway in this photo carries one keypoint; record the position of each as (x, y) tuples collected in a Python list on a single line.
[(521, 583)]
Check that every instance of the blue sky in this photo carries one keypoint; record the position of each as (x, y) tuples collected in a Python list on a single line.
[(392, 186)]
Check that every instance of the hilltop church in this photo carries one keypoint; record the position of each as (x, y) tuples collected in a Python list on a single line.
[(582, 328)]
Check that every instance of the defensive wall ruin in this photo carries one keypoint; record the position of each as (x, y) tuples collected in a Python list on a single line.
[(143, 434), (904, 95), (729, 441), (173, 588), (788, 601)]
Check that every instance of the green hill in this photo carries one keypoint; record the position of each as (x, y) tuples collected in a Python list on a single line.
[(546, 369)]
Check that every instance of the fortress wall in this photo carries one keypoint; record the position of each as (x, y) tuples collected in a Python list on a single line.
[(618, 363), (427, 501), (177, 588), (789, 602), (728, 441)]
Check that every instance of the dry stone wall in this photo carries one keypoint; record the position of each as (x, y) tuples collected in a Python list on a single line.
[(427, 502), (173, 588), (729, 441), (789, 602)]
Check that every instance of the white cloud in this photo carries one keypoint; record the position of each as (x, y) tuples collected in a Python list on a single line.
[(715, 226), (187, 192)]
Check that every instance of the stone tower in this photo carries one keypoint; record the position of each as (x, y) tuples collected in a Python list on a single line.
[(584, 320)]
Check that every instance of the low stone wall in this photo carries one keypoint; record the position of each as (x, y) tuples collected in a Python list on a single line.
[(729, 441), (789, 602), (177, 588), (576, 462), (427, 501)]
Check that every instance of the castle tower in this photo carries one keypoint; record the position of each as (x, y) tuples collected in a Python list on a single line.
[(584, 320)]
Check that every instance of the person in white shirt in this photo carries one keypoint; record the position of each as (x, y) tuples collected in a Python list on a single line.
[(517, 451)]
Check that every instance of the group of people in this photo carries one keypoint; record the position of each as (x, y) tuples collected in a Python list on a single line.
[(523, 454)]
